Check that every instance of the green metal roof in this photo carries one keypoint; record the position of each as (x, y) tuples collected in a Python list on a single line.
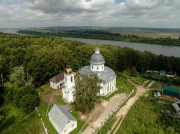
[(171, 89)]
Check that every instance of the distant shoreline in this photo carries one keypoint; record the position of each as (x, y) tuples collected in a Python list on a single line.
[(102, 35)]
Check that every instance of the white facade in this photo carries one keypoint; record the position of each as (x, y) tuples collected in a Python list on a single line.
[(57, 81), (56, 85), (61, 119), (97, 67), (108, 88), (104, 73), (71, 125), (69, 87)]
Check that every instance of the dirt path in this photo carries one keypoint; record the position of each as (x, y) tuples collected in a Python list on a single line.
[(124, 110), (109, 107)]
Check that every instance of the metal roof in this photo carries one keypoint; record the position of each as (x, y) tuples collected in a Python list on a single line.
[(97, 58), (176, 107), (57, 78), (60, 116), (107, 75), (172, 89)]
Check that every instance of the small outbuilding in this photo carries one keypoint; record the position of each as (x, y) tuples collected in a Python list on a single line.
[(176, 107), (57, 81), (171, 91), (61, 119), (163, 73)]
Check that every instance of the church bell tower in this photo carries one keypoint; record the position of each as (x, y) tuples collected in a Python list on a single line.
[(69, 85)]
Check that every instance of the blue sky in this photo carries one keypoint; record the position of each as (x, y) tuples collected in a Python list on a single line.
[(121, 13)]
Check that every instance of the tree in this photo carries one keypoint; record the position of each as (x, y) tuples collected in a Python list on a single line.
[(23, 91), (19, 78), (29, 102), (133, 72), (87, 92), (1, 69)]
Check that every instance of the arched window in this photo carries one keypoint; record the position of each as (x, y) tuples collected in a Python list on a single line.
[(97, 68), (71, 78)]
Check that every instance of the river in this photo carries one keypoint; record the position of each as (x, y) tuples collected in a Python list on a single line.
[(156, 49)]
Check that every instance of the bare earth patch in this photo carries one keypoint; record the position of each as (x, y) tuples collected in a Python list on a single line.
[(121, 114), (50, 94), (100, 115)]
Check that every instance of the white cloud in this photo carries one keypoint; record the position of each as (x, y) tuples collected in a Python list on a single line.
[(31, 13)]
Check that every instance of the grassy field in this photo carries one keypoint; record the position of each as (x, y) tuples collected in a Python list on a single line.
[(46, 92), (138, 79), (157, 85), (145, 117), (15, 118), (16, 122), (107, 126), (123, 84)]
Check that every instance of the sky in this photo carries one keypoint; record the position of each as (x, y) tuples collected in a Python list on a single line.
[(119, 13)]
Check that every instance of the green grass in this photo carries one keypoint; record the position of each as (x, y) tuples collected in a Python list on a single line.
[(11, 115), (144, 117), (118, 91), (147, 83), (116, 125), (80, 123), (15, 121), (43, 107), (123, 84), (153, 75), (30, 125), (157, 84), (138, 79), (107, 126), (60, 100)]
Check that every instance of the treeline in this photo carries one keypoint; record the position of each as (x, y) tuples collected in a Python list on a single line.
[(96, 34), (44, 57)]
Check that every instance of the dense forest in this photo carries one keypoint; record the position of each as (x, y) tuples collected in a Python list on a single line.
[(43, 57), (104, 35), (28, 62)]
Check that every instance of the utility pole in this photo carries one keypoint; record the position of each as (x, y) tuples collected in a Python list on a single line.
[(49, 105)]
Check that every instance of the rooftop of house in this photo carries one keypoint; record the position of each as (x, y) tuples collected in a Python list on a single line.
[(60, 116), (106, 75), (172, 89), (59, 77)]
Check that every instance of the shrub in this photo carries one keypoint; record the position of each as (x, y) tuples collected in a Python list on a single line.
[(29, 102)]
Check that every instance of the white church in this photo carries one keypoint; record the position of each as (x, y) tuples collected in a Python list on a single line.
[(104, 73)]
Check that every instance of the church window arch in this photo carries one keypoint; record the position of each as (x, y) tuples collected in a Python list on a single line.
[(71, 78)]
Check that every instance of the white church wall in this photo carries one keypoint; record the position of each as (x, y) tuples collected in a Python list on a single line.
[(56, 85), (97, 67), (70, 126)]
